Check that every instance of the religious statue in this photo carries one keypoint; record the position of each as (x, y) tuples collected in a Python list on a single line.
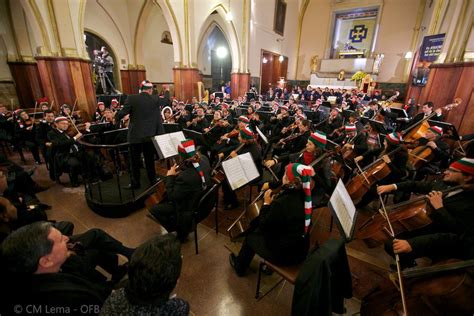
[(314, 64), (340, 77)]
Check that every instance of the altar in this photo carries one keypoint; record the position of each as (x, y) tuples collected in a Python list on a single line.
[(351, 54)]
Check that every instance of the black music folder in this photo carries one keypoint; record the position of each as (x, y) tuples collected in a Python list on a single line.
[(198, 138), (171, 127)]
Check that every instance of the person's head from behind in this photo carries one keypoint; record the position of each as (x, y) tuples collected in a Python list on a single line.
[(37, 248), (146, 87), (154, 270)]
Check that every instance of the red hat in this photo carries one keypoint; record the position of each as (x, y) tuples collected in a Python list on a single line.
[(146, 85), (350, 128), (114, 101), (247, 134), (394, 138), (437, 130), (244, 119), (298, 170), (284, 107), (99, 103), (319, 139), (465, 165), (60, 119)]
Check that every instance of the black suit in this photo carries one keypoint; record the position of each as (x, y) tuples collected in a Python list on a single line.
[(278, 233), (145, 122), (184, 191), (64, 155), (451, 235)]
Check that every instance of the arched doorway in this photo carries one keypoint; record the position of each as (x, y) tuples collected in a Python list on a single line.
[(94, 42), (215, 59)]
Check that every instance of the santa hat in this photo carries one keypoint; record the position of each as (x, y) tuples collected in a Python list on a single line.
[(247, 134), (394, 138), (284, 107), (350, 128), (146, 85), (60, 119), (114, 101), (465, 165), (42, 100), (437, 130), (187, 150), (319, 139), (100, 103), (297, 170), (244, 119), (224, 106)]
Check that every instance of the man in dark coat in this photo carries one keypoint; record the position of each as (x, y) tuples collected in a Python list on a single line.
[(451, 233), (145, 122)]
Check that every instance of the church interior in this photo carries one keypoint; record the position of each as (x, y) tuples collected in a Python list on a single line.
[(389, 82)]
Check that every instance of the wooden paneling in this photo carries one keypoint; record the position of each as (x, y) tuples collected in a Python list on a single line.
[(239, 84), (131, 80), (272, 70), (445, 83), (27, 83), (185, 83), (66, 79)]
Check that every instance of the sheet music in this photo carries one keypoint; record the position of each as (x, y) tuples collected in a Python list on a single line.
[(343, 207), (234, 173), (248, 165), (264, 138), (168, 144)]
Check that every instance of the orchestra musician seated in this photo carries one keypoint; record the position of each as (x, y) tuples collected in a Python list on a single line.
[(451, 233), (184, 188), (397, 163), (427, 111), (280, 233), (248, 144)]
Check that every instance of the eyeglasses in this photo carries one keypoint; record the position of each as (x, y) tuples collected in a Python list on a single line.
[(453, 170)]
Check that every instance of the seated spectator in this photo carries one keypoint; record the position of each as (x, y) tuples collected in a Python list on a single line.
[(33, 257), (153, 274)]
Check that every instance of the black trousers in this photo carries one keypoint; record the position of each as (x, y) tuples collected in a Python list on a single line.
[(172, 220), (149, 154)]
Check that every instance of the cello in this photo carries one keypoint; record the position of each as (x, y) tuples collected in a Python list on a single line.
[(359, 185), (405, 216)]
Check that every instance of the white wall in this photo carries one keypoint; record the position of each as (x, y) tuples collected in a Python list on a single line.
[(157, 56), (262, 35)]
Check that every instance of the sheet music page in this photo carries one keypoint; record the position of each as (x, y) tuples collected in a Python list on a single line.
[(176, 138), (344, 208), (234, 173), (165, 145), (264, 138), (248, 165)]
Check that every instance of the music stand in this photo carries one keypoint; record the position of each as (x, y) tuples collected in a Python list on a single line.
[(196, 136), (401, 113), (311, 115), (209, 117), (343, 209), (171, 127), (219, 95), (249, 96), (448, 129), (36, 115), (378, 126), (346, 114), (265, 115), (330, 145)]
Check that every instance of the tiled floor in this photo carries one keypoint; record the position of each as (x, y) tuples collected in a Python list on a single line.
[(207, 281)]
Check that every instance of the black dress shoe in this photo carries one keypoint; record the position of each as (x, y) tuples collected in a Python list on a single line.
[(131, 186), (233, 263)]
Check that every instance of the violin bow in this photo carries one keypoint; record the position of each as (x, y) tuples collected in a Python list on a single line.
[(34, 113), (51, 106), (72, 122), (74, 106), (397, 257), (362, 172)]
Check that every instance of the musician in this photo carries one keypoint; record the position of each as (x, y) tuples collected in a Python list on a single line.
[(372, 110), (145, 122), (25, 134), (66, 111), (451, 233), (297, 139), (439, 148), (396, 163), (199, 122), (167, 114), (41, 133), (184, 188), (280, 233), (65, 151), (333, 123), (99, 113), (249, 145), (427, 111)]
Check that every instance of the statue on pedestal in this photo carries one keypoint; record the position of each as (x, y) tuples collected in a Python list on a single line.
[(340, 76), (314, 64)]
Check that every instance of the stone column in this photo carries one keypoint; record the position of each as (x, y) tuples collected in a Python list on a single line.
[(239, 84)]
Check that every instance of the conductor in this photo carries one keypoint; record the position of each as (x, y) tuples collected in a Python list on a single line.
[(145, 122)]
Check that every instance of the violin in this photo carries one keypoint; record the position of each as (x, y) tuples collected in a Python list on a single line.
[(405, 216), (359, 185), (232, 134), (419, 156)]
